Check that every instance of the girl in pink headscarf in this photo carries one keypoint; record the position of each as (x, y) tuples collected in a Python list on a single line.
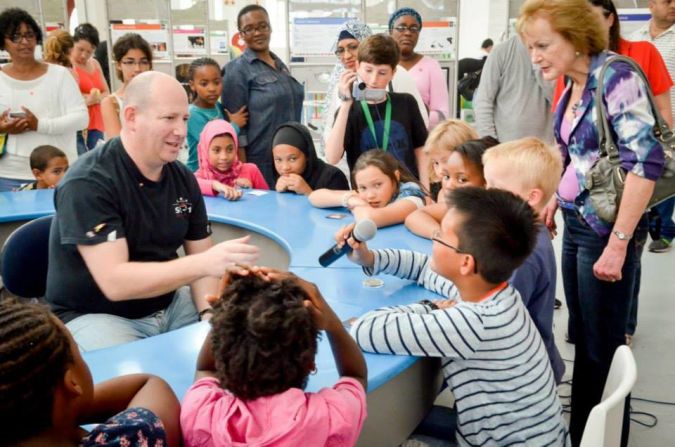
[(220, 171)]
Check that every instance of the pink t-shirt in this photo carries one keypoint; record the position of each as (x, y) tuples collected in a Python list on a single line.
[(568, 189), (248, 171), (212, 416)]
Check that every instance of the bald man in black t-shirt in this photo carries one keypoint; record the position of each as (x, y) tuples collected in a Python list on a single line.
[(122, 212)]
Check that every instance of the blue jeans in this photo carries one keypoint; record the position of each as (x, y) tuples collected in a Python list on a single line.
[(97, 331), (640, 241), (600, 311), (93, 137), (662, 226), (640, 238), (10, 184)]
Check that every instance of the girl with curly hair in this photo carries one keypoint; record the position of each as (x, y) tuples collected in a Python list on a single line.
[(254, 365)]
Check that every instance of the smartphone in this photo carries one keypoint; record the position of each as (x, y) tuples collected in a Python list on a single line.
[(17, 114)]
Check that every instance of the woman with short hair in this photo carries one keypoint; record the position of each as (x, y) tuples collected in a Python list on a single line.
[(600, 259), (39, 102)]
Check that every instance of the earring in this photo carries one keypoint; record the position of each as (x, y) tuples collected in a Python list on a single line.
[(314, 371), (577, 54)]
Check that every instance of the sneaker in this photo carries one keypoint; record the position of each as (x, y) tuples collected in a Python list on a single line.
[(557, 304), (659, 246)]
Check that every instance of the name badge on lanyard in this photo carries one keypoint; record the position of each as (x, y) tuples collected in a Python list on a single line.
[(387, 123)]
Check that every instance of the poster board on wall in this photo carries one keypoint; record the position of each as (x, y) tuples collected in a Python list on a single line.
[(438, 38), (155, 34), (315, 36)]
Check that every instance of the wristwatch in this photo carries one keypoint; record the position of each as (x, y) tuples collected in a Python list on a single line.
[(620, 235), (343, 98), (428, 303)]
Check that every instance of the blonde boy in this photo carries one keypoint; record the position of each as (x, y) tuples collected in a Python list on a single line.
[(527, 167), (531, 169)]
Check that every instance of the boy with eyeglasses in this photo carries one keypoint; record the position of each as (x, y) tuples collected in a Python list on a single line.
[(530, 169), (389, 121), (493, 359)]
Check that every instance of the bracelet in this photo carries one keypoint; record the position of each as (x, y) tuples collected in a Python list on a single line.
[(429, 303), (203, 312), (345, 198), (343, 98)]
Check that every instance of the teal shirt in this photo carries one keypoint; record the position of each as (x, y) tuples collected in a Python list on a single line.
[(198, 119)]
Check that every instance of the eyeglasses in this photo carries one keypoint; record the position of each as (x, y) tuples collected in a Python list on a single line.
[(18, 37), (414, 29), (133, 63), (349, 48), (436, 237), (250, 30)]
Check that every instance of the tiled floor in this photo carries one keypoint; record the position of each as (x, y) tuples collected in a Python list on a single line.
[(653, 346)]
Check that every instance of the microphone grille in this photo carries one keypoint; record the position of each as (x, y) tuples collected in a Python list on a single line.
[(364, 230)]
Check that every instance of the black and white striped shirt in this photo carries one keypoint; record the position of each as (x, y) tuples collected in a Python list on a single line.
[(494, 361), (411, 265)]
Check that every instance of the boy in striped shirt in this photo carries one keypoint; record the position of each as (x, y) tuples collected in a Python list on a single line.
[(494, 359)]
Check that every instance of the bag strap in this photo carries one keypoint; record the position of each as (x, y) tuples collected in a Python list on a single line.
[(607, 144)]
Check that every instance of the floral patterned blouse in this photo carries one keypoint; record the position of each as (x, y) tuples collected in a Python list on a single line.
[(629, 112), (134, 427)]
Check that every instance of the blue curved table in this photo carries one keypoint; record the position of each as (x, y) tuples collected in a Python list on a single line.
[(399, 388)]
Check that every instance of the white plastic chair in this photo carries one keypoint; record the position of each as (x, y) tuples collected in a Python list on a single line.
[(604, 424)]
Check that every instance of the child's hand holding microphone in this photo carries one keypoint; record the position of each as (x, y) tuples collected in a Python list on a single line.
[(360, 253)]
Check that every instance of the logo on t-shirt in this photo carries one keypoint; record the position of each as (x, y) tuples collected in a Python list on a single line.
[(182, 207)]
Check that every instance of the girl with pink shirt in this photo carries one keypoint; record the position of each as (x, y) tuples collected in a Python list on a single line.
[(220, 170), (255, 362)]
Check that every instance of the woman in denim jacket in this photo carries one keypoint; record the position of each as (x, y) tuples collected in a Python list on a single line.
[(259, 80)]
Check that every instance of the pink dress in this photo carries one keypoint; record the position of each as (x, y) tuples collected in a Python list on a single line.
[(433, 87), (213, 416), (207, 174), (248, 171)]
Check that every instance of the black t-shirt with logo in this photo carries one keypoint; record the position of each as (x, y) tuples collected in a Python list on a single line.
[(104, 197), (407, 132)]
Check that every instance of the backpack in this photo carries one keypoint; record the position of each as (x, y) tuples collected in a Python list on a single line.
[(468, 84)]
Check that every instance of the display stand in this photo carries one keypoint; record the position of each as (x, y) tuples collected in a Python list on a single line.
[(178, 36)]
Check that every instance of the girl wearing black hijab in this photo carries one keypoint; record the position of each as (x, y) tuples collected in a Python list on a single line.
[(296, 165)]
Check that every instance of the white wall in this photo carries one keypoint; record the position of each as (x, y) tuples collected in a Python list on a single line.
[(474, 19)]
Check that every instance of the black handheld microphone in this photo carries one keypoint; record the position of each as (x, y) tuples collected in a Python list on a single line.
[(363, 231)]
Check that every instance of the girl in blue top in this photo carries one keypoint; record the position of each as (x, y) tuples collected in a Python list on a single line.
[(207, 85), (384, 191)]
